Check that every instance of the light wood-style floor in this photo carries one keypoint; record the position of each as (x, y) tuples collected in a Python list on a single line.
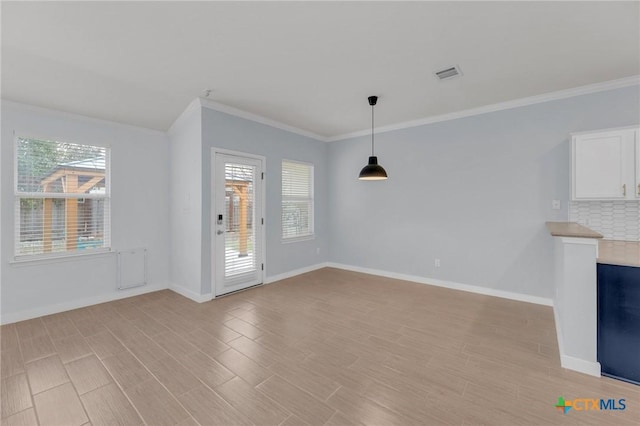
[(326, 348)]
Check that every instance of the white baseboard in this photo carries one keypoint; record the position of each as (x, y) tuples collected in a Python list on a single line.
[(448, 284), (556, 320), (580, 365), (190, 294), (80, 303), (571, 363), (295, 272)]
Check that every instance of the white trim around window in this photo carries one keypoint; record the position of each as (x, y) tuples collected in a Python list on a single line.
[(297, 207), (62, 199)]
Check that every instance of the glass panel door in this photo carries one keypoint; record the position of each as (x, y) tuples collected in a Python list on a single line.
[(238, 222)]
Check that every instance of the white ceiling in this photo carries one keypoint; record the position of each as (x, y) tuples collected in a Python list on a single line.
[(308, 65)]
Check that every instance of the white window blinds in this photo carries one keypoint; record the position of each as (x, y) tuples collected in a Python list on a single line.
[(297, 199), (62, 198)]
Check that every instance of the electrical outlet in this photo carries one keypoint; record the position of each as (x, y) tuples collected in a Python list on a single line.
[(555, 204), (437, 262), (318, 250)]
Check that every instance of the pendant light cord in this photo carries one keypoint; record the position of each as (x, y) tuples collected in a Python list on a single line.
[(372, 154)]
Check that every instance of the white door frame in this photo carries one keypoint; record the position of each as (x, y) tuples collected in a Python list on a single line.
[(212, 230)]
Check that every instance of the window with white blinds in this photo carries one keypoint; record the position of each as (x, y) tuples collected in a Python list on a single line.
[(297, 200), (62, 198)]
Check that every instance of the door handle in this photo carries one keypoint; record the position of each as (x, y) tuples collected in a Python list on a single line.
[(220, 232)]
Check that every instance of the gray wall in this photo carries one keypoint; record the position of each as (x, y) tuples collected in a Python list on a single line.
[(220, 130), (139, 211), (474, 192)]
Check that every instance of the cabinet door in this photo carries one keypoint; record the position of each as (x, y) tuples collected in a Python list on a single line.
[(601, 165), (619, 321)]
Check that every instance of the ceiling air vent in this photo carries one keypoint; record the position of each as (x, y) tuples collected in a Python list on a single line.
[(448, 73)]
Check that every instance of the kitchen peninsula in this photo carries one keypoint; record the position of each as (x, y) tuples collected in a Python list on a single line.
[(575, 304), (596, 284)]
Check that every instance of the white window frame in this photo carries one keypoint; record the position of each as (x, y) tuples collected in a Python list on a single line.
[(21, 257), (311, 198)]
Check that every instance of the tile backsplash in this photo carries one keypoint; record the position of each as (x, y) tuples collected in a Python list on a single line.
[(616, 220)]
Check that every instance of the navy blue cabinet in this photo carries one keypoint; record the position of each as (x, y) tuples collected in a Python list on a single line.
[(619, 321)]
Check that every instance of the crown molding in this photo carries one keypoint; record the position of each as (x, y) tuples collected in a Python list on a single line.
[(77, 117), (516, 103), (208, 103)]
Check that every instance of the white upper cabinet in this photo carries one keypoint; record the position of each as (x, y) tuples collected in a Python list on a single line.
[(606, 165)]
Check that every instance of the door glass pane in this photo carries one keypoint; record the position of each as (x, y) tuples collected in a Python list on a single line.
[(239, 243)]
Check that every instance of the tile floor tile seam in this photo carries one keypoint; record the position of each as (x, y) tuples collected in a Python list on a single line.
[(285, 420), (39, 319), (122, 389), (226, 381), (387, 355), (76, 391), (405, 414), (152, 374), (100, 387), (115, 382), (385, 364), (514, 361), (332, 393), (33, 401), (123, 343), (255, 388), (22, 411), (257, 384), (309, 392), (22, 363), (464, 391), (66, 319), (37, 358), (432, 359), (375, 403), (84, 339), (302, 391), (59, 384), (197, 377), (235, 338), (52, 388)]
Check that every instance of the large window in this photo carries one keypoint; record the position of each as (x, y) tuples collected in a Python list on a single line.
[(297, 200), (61, 198)]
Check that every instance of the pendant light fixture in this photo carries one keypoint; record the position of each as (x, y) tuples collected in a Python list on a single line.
[(372, 171)]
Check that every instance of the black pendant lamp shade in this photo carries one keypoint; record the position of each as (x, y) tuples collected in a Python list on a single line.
[(372, 171)]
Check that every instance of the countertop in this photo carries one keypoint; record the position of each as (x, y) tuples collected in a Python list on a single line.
[(623, 253), (571, 229)]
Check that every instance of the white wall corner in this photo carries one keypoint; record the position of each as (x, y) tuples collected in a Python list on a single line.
[(193, 106), (448, 284), (190, 294), (80, 303)]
